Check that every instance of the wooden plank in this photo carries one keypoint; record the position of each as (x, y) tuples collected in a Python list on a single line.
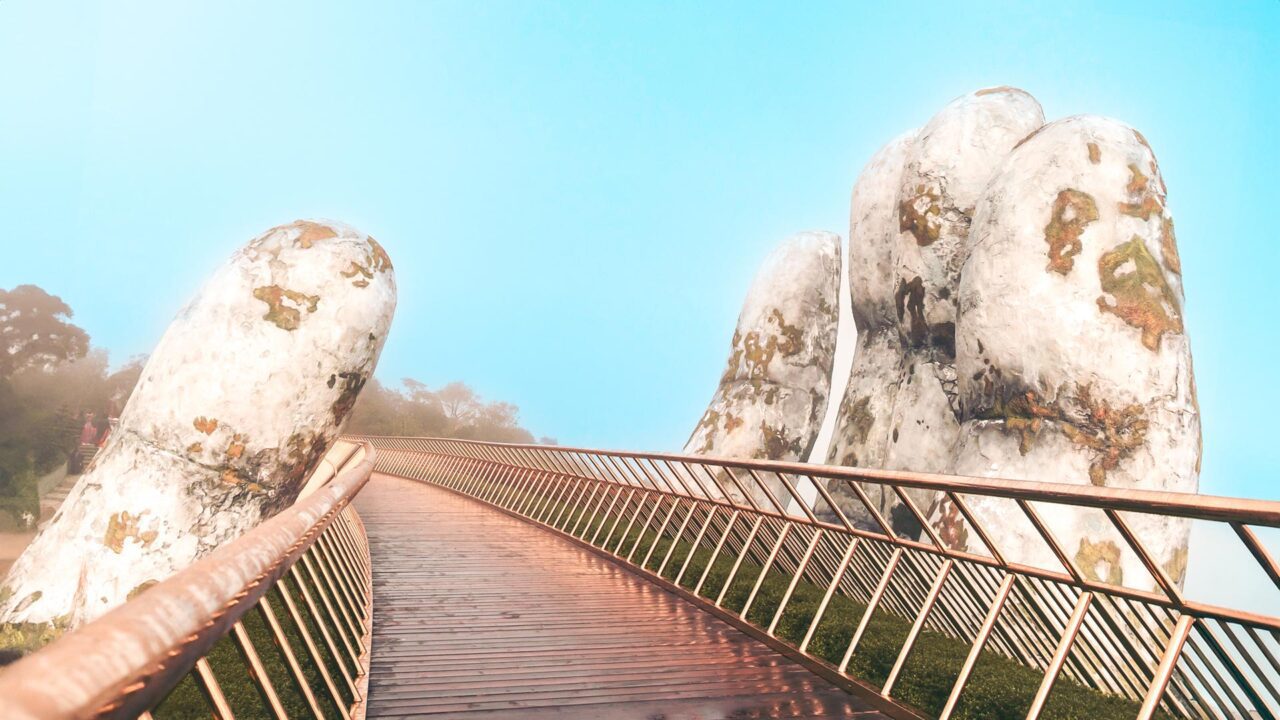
[(478, 614)]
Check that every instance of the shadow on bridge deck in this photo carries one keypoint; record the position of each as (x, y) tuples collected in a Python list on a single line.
[(480, 615)]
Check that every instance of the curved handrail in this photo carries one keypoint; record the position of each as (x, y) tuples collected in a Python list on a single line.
[(1155, 647), (124, 663), (1220, 508)]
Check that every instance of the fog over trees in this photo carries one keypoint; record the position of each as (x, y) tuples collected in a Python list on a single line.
[(51, 374), (454, 410)]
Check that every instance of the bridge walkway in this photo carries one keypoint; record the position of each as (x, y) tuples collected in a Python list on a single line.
[(479, 615)]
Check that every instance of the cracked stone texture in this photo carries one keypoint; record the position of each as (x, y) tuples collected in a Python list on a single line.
[(1072, 361), (773, 393), (910, 212), (246, 390)]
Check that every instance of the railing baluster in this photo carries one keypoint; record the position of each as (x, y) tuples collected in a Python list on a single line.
[(795, 579), (1060, 655), (871, 607), (257, 671), (988, 624), (310, 644), (291, 660), (830, 592), (212, 691)]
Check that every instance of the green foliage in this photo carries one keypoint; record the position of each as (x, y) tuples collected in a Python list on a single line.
[(231, 669), (47, 380), (34, 331)]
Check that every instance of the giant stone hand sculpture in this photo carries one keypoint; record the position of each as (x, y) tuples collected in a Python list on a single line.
[(773, 393), (1038, 307), (908, 238), (1074, 365), (248, 387)]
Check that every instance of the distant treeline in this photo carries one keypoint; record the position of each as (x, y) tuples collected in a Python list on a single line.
[(454, 410)]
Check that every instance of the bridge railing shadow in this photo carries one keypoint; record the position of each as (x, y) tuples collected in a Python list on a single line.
[(925, 612), (274, 624)]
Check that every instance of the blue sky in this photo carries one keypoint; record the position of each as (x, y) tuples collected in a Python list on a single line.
[(577, 195)]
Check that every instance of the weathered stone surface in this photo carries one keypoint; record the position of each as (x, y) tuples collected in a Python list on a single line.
[(864, 429), (1072, 359), (773, 393), (940, 174), (248, 387)]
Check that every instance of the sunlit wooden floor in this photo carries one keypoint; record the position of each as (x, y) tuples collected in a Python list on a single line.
[(480, 615)]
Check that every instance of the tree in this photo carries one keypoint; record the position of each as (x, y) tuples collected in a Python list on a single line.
[(460, 404), (34, 330)]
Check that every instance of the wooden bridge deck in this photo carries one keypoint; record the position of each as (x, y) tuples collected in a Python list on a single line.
[(480, 615)]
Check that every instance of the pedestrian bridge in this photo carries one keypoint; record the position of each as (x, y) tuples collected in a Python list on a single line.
[(429, 578)]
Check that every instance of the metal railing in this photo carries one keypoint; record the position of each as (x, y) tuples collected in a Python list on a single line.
[(275, 624), (1167, 654)]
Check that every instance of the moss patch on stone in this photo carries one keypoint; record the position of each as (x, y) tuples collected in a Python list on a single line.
[(1099, 561), (920, 214), (1110, 434), (284, 307), (124, 526), (1136, 292), (1072, 212), (1169, 246)]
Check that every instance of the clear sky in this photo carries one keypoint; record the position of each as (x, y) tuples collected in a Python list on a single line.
[(576, 195)]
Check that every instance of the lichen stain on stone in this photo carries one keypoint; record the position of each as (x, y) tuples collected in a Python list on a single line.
[(776, 445), (1024, 415), (381, 260), (998, 89), (194, 448), (124, 525), (140, 588), (909, 299), (792, 337), (1169, 246), (921, 214), (1091, 555), (352, 383), (1143, 203), (1110, 434), (303, 452), (28, 601), (310, 232), (1175, 567), (1073, 210), (709, 422), (756, 355), (280, 313), (205, 425), (357, 269), (1137, 180), (237, 447), (952, 529), (1029, 135), (860, 419), (732, 422), (1135, 290), (1095, 153)]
